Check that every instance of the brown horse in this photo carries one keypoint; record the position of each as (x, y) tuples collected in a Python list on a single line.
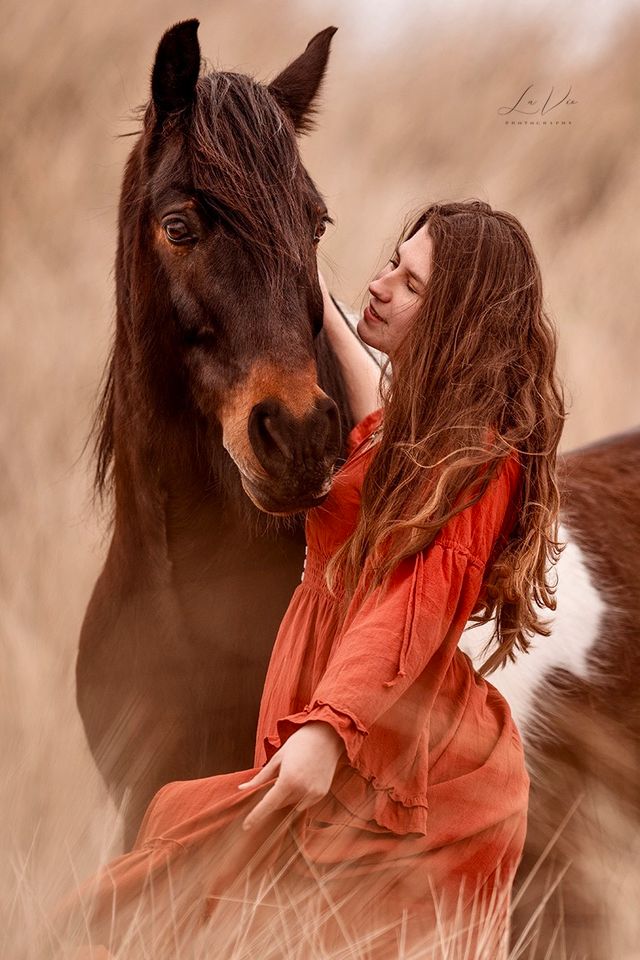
[(222, 417), (575, 699)]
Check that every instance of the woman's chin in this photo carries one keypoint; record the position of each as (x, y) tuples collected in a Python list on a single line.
[(367, 335)]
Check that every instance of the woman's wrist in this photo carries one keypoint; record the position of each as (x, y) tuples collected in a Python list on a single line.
[(329, 732)]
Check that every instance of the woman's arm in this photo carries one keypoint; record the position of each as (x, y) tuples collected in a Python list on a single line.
[(361, 372)]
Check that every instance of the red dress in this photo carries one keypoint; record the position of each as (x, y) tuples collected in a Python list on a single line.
[(429, 801)]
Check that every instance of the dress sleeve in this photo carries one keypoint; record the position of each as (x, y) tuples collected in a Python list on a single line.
[(405, 625), (390, 639)]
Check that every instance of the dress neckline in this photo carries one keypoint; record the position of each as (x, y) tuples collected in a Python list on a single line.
[(364, 444)]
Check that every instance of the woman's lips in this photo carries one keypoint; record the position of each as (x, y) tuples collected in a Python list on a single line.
[(370, 315)]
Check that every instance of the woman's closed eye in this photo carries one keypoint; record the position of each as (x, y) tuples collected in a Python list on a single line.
[(395, 262)]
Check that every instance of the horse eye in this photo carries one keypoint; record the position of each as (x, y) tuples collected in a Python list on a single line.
[(199, 336), (177, 231), (320, 230)]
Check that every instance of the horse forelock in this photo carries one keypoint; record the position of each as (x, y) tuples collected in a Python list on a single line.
[(244, 163)]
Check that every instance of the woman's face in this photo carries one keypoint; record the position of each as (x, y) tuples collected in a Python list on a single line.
[(396, 294)]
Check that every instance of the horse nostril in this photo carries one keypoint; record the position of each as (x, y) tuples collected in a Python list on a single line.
[(284, 445), (327, 433), (266, 425)]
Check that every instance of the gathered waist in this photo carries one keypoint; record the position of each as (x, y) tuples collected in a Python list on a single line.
[(313, 573)]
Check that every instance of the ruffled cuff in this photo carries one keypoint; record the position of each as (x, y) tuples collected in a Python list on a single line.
[(346, 724)]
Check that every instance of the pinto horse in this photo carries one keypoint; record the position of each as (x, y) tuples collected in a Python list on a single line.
[(575, 699), (223, 415)]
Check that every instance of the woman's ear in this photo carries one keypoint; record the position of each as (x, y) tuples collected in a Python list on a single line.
[(297, 87)]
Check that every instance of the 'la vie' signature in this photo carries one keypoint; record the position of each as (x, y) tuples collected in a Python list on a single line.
[(519, 106)]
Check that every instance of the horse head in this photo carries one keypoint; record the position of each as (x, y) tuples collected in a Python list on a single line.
[(218, 297)]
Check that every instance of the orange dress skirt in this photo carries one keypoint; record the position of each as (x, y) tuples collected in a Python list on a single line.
[(423, 828)]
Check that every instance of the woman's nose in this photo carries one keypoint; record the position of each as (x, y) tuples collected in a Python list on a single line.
[(378, 290)]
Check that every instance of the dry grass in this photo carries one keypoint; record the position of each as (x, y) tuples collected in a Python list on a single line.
[(418, 122), (269, 913)]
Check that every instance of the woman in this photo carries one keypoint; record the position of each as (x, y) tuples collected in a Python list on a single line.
[(389, 782)]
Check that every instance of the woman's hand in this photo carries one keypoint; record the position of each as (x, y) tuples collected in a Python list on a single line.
[(306, 763)]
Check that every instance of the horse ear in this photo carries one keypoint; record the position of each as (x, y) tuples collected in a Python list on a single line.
[(298, 85), (176, 68)]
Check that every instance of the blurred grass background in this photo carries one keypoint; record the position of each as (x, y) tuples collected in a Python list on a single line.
[(409, 114)]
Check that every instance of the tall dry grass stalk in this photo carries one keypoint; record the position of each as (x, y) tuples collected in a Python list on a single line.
[(416, 123), (271, 912)]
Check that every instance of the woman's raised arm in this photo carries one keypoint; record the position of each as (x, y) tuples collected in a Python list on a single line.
[(361, 371)]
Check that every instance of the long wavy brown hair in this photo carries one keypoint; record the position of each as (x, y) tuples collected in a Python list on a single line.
[(474, 382)]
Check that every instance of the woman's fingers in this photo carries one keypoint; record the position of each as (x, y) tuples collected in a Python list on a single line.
[(323, 285), (304, 765), (280, 795), (266, 773), (268, 805)]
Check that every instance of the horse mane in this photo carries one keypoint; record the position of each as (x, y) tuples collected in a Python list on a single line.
[(101, 434)]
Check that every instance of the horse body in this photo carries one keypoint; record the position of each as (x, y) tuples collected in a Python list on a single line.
[(575, 629), (175, 646), (575, 699)]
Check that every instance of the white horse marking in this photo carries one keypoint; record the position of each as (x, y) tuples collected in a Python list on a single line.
[(575, 626)]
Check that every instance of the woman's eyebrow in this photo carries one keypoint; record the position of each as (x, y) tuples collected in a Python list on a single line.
[(414, 276)]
